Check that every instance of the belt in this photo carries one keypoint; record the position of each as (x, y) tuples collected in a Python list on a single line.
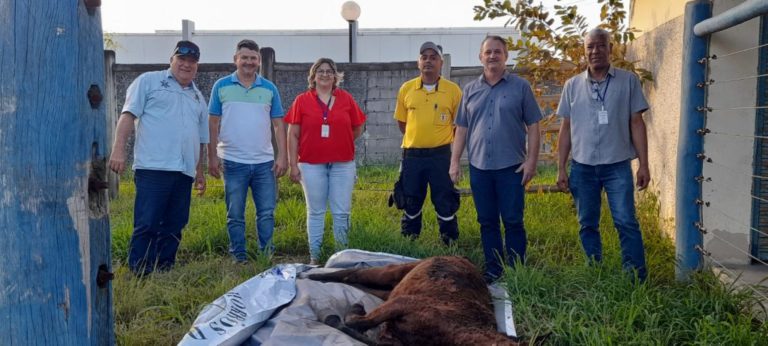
[(422, 152)]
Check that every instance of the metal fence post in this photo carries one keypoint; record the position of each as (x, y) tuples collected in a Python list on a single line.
[(690, 145)]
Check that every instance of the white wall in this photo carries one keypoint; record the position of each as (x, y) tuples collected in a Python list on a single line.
[(374, 45), (660, 51)]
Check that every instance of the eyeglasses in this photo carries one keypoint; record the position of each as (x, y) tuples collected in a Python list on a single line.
[(325, 71)]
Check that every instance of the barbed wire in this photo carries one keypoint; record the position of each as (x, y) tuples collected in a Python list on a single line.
[(373, 190), (382, 138)]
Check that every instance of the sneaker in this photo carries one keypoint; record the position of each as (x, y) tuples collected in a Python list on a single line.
[(313, 262)]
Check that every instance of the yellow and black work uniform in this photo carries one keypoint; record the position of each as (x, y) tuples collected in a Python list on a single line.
[(428, 117)]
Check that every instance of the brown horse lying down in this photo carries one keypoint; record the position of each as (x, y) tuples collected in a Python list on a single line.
[(436, 301)]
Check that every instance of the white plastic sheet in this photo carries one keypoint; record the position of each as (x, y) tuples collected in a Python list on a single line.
[(235, 316)]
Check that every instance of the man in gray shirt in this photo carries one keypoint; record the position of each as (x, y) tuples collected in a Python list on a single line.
[(498, 111), (602, 126)]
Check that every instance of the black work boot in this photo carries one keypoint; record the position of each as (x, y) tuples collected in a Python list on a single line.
[(449, 230), (410, 228)]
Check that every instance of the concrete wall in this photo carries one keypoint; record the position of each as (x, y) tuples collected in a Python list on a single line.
[(374, 87), (730, 145), (660, 51)]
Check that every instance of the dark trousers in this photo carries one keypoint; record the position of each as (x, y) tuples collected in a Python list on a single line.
[(422, 167), (499, 194), (161, 211)]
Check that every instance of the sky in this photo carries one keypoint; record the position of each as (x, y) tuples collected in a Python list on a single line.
[(146, 16)]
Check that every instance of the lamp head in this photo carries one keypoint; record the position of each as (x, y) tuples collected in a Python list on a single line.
[(350, 11)]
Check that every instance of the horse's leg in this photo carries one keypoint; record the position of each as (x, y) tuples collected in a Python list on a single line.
[(390, 310), (379, 277)]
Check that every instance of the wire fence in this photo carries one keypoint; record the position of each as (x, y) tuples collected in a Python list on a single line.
[(733, 238)]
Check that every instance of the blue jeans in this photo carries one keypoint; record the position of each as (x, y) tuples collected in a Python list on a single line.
[(161, 210), (586, 183), (238, 177), (499, 193), (327, 183)]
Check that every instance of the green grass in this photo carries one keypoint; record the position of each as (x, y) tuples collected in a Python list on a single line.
[(555, 296)]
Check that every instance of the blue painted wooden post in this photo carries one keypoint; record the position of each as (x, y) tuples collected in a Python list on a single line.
[(690, 142), (53, 208)]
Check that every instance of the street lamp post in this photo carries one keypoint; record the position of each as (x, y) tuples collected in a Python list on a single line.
[(350, 11)]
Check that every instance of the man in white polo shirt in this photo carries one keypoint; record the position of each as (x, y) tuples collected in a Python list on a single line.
[(171, 128)]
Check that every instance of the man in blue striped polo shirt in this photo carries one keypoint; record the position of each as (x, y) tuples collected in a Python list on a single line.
[(244, 107)]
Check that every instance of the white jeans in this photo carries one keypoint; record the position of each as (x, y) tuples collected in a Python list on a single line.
[(327, 183)]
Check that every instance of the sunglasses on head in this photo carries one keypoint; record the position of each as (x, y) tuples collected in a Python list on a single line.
[(186, 51)]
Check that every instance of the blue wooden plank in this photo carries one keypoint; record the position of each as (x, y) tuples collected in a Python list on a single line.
[(55, 234), (95, 147)]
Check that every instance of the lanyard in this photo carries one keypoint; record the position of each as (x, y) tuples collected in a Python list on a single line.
[(596, 89), (324, 107)]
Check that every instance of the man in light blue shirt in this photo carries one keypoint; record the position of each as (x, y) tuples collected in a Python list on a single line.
[(602, 126), (498, 117), (244, 109), (168, 114)]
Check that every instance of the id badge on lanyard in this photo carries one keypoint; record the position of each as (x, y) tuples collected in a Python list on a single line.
[(602, 117), (325, 129), (602, 114)]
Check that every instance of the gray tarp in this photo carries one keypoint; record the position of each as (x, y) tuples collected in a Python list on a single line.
[(285, 309)]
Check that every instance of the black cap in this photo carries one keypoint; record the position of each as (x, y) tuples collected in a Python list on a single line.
[(246, 43), (187, 48)]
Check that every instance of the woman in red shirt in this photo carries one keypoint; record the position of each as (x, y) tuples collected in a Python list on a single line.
[(323, 123)]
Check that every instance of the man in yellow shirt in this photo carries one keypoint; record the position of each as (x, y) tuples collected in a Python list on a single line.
[(425, 111)]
